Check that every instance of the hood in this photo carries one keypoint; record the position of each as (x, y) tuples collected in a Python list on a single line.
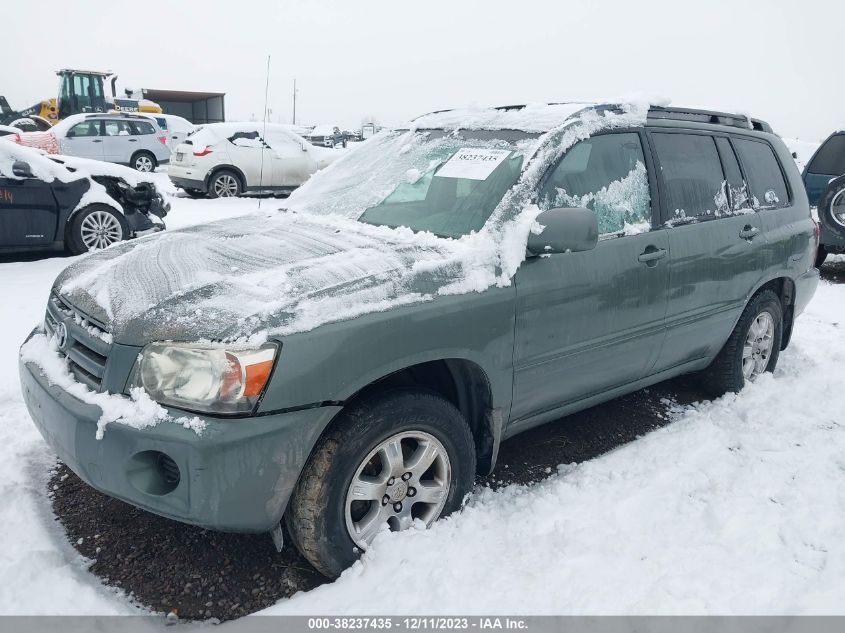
[(254, 276)]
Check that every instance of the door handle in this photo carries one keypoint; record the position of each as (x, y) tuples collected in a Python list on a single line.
[(748, 232), (133, 140), (96, 140), (651, 255)]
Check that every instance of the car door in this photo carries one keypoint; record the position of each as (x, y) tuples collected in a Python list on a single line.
[(85, 140), (245, 151), (714, 243), (118, 141), (28, 212), (292, 165), (826, 164), (590, 321), (787, 230)]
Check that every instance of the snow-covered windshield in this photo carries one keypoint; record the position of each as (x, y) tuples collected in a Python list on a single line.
[(446, 183)]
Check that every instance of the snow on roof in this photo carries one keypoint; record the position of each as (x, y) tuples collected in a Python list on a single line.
[(533, 117)]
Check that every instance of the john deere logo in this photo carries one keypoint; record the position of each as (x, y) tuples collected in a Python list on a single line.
[(61, 336)]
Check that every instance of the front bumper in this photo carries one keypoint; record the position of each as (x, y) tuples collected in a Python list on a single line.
[(236, 476)]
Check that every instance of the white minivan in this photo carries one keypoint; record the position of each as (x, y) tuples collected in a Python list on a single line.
[(174, 127), (223, 160)]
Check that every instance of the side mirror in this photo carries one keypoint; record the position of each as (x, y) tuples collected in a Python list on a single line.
[(303, 146), (22, 169), (565, 230)]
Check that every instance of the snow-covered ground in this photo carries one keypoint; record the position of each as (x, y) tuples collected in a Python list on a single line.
[(736, 507)]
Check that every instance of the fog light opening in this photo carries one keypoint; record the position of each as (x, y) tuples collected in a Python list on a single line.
[(153, 473)]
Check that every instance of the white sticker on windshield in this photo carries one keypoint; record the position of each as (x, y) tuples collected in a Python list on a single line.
[(473, 164)]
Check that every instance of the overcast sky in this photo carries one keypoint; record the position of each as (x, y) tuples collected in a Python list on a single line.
[(781, 60)]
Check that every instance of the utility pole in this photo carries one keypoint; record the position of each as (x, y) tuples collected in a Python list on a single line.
[(294, 101)]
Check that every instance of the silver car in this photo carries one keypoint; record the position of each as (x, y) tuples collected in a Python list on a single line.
[(127, 139)]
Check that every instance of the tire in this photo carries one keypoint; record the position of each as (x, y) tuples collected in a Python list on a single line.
[(832, 207), (821, 255), (94, 227), (143, 162), (322, 513), (726, 373), (224, 184)]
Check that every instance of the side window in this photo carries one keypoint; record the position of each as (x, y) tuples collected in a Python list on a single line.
[(830, 159), (693, 183), (737, 189), (117, 128), (143, 127), (88, 128), (766, 184), (606, 174), (246, 139)]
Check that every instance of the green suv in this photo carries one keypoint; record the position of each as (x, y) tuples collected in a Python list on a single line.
[(349, 363)]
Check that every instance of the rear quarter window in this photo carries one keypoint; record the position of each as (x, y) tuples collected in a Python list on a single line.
[(143, 127), (766, 183)]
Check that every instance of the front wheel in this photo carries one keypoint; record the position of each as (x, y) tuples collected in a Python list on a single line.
[(95, 227), (386, 463), (753, 347)]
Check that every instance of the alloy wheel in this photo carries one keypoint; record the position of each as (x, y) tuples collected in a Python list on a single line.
[(144, 163), (100, 229), (758, 346), (225, 186), (406, 477)]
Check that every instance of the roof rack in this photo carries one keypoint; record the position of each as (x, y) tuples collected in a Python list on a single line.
[(709, 116), (128, 115)]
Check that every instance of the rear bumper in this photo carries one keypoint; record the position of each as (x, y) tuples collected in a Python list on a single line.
[(189, 183), (236, 476), (187, 177), (805, 288)]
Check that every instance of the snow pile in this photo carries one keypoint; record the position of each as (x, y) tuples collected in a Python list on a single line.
[(286, 273), (735, 508), (137, 410)]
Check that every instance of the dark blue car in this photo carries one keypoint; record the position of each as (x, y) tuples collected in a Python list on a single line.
[(824, 179)]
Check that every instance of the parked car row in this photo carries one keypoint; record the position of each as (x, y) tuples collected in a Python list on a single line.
[(354, 363), (223, 160), (64, 202), (140, 141)]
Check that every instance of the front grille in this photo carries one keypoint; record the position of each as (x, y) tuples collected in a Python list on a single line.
[(87, 344)]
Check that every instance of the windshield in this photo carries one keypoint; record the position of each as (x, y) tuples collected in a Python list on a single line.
[(446, 183)]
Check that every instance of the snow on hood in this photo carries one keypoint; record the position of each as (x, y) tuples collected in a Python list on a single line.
[(42, 167), (90, 167), (275, 274), (244, 277)]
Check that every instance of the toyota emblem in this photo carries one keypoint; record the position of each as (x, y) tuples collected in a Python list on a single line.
[(61, 336)]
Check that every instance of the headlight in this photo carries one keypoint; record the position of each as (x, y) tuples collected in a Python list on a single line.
[(218, 380)]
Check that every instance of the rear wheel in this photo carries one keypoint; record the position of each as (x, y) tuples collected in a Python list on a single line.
[(224, 184), (144, 161), (95, 227), (753, 347), (385, 463), (832, 207)]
